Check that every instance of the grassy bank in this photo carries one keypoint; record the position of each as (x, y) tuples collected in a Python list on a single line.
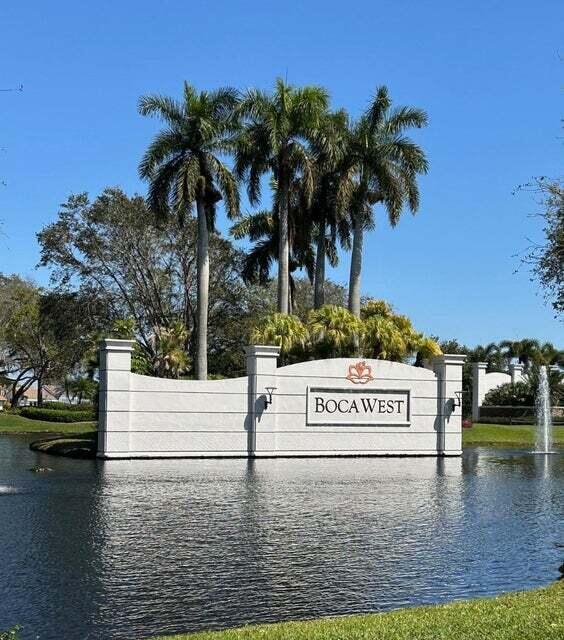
[(10, 423), (498, 435), (529, 615)]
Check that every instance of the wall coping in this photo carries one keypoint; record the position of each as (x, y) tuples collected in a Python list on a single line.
[(449, 358), (255, 350), (115, 344)]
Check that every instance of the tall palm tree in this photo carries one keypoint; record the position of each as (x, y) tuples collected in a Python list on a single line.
[(382, 165), (262, 228), (276, 139), (330, 147), (183, 167)]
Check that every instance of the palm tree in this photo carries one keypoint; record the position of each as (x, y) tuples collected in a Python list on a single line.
[(381, 167), (262, 228), (333, 329), (490, 353), (183, 168), (525, 351), (330, 147), (548, 354), (283, 330), (276, 139)]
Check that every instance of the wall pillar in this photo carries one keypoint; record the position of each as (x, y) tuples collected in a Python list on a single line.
[(478, 387), (449, 417), (114, 398), (261, 368), (516, 373)]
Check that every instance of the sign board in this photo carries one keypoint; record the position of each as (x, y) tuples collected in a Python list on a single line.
[(358, 407)]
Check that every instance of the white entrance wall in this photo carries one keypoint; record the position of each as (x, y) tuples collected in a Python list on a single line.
[(483, 382), (337, 407)]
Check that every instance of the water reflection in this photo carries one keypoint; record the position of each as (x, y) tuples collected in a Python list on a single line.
[(135, 548)]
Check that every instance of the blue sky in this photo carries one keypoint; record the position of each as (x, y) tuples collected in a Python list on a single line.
[(490, 75)]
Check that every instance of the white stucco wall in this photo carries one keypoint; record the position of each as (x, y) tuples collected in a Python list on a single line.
[(142, 416), (483, 382)]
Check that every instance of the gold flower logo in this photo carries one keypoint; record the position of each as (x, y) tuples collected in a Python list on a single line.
[(360, 373)]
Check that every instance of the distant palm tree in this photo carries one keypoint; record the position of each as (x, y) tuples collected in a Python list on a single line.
[(526, 351), (490, 353), (183, 168), (279, 128), (381, 167), (548, 354)]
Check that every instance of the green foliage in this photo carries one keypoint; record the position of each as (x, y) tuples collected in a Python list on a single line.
[(66, 407), (523, 394), (43, 335), (283, 330), (547, 259), (519, 394), (333, 331), (58, 415), (11, 634)]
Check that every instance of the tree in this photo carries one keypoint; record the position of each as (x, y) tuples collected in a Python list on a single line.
[(391, 336), (183, 168), (325, 214), (547, 259), (276, 139), (525, 351), (281, 329), (333, 330), (491, 353), (111, 248), (263, 229), (42, 338), (381, 167)]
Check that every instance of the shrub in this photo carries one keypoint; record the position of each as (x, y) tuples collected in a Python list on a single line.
[(66, 407), (518, 394), (58, 415)]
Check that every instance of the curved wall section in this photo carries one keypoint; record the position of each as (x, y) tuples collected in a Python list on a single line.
[(337, 407)]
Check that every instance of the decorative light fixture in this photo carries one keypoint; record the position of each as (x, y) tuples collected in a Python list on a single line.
[(457, 402), (268, 401)]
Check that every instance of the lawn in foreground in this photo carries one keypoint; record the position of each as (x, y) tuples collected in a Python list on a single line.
[(501, 435), (11, 423), (529, 615)]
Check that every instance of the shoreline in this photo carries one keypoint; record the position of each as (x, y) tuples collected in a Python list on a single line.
[(536, 614)]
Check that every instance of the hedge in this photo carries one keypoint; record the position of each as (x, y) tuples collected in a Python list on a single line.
[(58, 415), (66, 407)]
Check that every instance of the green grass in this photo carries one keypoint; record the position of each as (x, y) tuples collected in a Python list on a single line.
[(498, 435), (11, 423), (529, 615)]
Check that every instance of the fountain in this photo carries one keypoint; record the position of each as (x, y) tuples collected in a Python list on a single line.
[(544, 414)]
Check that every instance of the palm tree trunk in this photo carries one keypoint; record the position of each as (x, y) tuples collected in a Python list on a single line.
[(203, 265), (319, 284), (356, 268), (283, 249)]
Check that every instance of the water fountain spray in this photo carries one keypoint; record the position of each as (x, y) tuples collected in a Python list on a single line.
[(544, 414)]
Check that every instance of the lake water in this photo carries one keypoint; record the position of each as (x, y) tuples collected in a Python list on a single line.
[(129, 549)]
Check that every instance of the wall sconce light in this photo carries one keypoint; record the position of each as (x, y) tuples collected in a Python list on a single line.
[(268, 401), (457, 402)]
